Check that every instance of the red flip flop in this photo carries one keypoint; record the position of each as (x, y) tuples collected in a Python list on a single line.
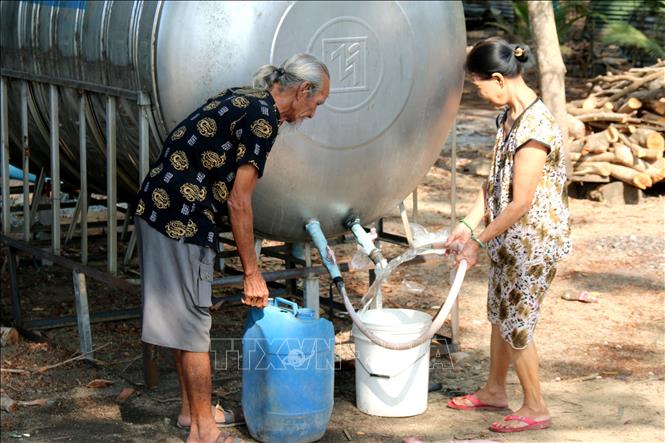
[(475, 405), (531, 424)]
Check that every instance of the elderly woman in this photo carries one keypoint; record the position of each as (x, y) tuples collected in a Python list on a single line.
[(524, 203)]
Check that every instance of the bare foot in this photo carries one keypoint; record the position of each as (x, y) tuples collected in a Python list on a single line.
[(539, 415), (498, 399)]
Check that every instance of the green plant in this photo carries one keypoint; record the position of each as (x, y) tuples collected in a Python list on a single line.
[(627, 36), (519, 28)]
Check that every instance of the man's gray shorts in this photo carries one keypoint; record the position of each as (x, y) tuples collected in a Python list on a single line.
[(176, 290)]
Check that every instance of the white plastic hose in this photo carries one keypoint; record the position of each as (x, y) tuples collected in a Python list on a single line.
[(436, 323)]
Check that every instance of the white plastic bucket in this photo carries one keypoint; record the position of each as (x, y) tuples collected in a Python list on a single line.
[(392, 383)]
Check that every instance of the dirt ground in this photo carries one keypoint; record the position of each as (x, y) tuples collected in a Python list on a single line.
[(602, 364)]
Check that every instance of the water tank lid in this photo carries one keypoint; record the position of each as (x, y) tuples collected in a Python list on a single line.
[(306, 314)]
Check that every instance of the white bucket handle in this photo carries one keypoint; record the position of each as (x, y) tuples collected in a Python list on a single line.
[(374, 374)]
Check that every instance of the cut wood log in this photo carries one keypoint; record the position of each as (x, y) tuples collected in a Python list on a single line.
[(657, 106), (656, 170), (649, 139), (647, 69), (651, 118), (592, 178), (630, 105), (612, 134), (658, 83), (576, 110), (590, 103), (603, 157), (638, 151), (576, 128), (646, 94), (616, 193), (599, 141), (598, 168), (639, 165), (623, 155), (658, 75), (608, 117), (652, 154), (635, 178), (609, 79), (576, 145)]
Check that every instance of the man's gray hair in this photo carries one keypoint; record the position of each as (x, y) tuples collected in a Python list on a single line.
[(297, 69)]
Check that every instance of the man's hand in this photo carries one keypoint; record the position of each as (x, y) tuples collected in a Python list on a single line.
[(255, 290)]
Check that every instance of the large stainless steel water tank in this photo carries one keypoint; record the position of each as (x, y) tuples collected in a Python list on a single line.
[(396, 83)]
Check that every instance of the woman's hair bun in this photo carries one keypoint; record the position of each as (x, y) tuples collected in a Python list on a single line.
[(521, 53), (495, 55)]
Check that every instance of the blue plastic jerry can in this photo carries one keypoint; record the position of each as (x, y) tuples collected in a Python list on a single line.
[(288, 373)]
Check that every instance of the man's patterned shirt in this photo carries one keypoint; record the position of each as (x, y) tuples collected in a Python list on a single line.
[(185, 193)]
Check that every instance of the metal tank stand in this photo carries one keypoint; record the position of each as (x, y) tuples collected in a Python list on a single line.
[(13, 245), (311, 291), (4, 151)]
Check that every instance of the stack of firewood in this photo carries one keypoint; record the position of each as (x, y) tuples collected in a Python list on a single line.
[(617, 131)]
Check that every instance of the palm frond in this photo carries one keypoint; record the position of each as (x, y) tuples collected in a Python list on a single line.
[(625, 35)]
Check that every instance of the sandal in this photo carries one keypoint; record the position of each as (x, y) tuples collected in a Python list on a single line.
[(475, 405), (231, 418), (531, 424), (585, 297)]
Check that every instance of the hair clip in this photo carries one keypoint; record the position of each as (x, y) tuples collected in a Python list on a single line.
[(518, 51)]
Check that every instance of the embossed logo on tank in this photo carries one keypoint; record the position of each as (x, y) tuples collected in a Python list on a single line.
[(370, 57), (346, 58), (356, 72)]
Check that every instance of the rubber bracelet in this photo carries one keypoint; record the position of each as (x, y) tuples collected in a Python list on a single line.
[(465, 223), (480, 243)]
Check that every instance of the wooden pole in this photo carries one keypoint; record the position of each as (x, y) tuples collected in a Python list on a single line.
[(551, 67)]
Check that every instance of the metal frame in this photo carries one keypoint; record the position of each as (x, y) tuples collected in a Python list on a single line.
[(111, 191), (26, 160), (55, 168), (4, 153), (30, 208)]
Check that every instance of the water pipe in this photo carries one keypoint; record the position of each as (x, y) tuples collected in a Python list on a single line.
[(365, 241), (314, 229)]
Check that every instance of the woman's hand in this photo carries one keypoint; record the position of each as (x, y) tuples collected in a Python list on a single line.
[(459, 237), (469, 253)]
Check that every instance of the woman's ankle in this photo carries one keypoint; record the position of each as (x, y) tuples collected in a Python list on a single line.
[(494, 390)]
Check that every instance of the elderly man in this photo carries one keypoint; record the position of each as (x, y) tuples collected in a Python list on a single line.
[(208, 168)]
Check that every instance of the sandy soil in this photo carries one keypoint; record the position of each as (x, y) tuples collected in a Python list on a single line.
[(602, 364)]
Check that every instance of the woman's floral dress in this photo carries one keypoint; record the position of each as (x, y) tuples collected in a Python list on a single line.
[(524, 258)]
